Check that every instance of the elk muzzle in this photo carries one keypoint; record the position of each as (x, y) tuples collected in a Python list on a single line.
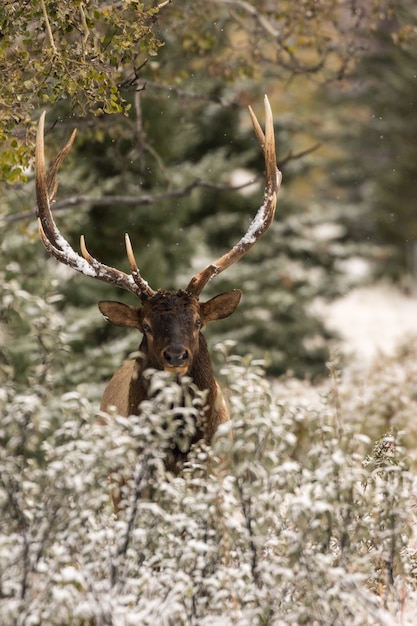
[(176, 358)]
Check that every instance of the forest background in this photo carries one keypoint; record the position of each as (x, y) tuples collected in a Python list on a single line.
[(164, 139), (165, 151)]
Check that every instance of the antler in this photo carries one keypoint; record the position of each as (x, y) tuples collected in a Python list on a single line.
[(263, 218), (58, 246)]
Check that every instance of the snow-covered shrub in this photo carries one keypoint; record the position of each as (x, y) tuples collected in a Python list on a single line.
[(382, 396), (31, 330), (291, 517)]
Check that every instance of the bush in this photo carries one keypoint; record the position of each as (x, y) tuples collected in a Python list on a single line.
[(296, 519)]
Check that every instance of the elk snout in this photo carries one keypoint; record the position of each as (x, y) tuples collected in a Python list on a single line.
[(176, 356)]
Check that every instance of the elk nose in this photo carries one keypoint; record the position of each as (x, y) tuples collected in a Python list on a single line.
[(175, 356)]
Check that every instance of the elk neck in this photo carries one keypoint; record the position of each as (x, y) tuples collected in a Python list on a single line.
[(200, 371)]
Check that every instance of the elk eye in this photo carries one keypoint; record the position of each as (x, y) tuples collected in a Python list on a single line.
[(198, 323), (146, 328)]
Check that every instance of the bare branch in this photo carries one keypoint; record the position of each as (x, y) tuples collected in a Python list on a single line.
[(298, 155), (86, 32), (146, 200), (149, 200), (140, 84), (253, 12)]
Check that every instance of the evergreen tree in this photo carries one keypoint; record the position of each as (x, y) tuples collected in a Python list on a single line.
[(377, 169), (183, 136)]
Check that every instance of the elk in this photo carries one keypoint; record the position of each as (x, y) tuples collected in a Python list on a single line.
[(170, 321)]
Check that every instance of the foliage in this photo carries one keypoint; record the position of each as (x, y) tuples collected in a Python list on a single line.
[(66, 51), (295, 520), (86, 57), (233, 40)]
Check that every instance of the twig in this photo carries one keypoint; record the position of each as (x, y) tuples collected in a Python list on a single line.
[(140, 479), (161, 5), (48, 27), (246, 504), (298, 155), (139, 127), (84, 24)]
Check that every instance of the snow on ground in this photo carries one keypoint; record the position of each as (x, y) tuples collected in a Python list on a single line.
[(372, 321)]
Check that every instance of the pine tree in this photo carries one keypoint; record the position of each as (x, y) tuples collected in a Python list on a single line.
[(377, 168)]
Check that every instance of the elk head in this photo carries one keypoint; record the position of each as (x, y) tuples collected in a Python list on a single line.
[(170, 321)]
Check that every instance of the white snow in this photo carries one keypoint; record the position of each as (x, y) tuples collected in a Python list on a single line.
[(241, 176), (256, 225), (372, 320)]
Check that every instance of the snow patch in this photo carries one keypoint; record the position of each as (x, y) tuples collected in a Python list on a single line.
[(241, 176), (372, 320)]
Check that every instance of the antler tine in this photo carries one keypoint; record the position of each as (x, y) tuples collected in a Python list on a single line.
[(143, 285), (57, 245), (265, 215)]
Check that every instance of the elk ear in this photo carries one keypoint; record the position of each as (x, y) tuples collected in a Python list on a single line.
[(220, 306), (120, 314)]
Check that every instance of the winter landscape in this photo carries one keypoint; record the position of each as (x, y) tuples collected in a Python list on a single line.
[(302, 510)]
